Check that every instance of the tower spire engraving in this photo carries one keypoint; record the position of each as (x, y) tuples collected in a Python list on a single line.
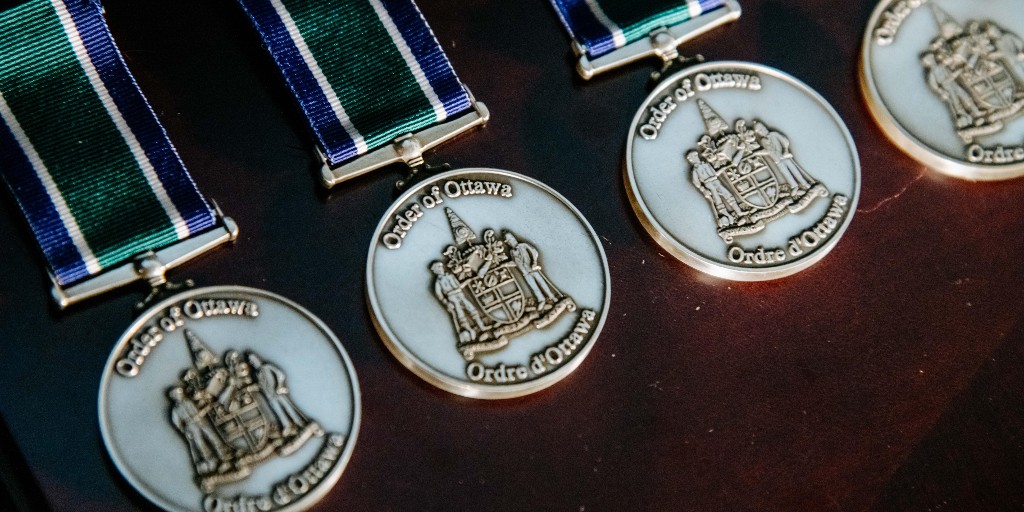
[(202, 356), (712, 121), (948, 25), (461, 233)]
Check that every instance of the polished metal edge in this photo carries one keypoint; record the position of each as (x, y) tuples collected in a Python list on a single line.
[(456, 386), (691, 258), (329, 480), (903, 139)]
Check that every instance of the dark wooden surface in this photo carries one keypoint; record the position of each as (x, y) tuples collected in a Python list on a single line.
[(887, 377)]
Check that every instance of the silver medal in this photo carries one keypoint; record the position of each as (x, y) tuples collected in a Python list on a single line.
[(487, 283), (229, 398), (945, 80), (741, 171)]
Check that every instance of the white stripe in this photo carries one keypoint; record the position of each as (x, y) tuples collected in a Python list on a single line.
[(617, 35), (318, 74), (180, 227), (410, 59), (694, 8), (70, 224)]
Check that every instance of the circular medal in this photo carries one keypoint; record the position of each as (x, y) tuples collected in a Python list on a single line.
[(945, 80), (229, 398), (487, 284), (741, 171)]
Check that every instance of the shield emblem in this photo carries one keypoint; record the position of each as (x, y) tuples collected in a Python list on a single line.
[(992, 85), (499, 294), (753, 182), (243, 424)]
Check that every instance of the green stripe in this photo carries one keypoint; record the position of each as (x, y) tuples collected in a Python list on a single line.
[(638, 19), (364, 67), (64, 118)]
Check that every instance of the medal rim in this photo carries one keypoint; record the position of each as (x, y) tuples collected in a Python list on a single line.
[(460, 387), (690, 257), (306, 501), (906, 141)]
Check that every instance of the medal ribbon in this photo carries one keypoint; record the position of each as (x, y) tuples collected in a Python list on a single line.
[(602, 26), (364, 71), (80, 148)]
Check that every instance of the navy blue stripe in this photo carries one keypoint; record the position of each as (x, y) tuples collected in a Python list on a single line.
[(427, 51), (584, 27), (62, 257), (338, 146), (140, 117)]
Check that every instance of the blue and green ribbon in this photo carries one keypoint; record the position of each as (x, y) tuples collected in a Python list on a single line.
[(364, 71), (80, 148), (603, 26)]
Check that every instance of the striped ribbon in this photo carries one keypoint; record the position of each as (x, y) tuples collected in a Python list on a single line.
[(364, 71), (83, 153), (602, 26)]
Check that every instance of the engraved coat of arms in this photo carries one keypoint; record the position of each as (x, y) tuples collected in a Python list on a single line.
[(977, 70), (235, 413), (748, 175), (494, 289)]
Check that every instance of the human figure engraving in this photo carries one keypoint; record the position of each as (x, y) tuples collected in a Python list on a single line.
[(944, 83), (706, 180), (208, 452), (527, 259), (448, 290), (271, 381), (1010, 48), (777, 146)]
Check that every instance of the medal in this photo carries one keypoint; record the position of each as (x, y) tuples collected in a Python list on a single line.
[(741, 171), (945, 81), (487, 284), (218, 398), (255, 403), (608, 34), (738, 170)]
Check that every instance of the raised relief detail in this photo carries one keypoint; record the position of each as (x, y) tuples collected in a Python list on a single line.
[(978, 71), (235, 413), (748, 174), (494, 290)]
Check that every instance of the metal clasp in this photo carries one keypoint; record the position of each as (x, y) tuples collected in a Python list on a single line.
[(150, 266), (408, 148), (662, 43)]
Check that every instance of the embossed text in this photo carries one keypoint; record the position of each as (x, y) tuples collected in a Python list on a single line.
[(403, 221), (892, 19), (170, 320), (979, 154), (687, 88)]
